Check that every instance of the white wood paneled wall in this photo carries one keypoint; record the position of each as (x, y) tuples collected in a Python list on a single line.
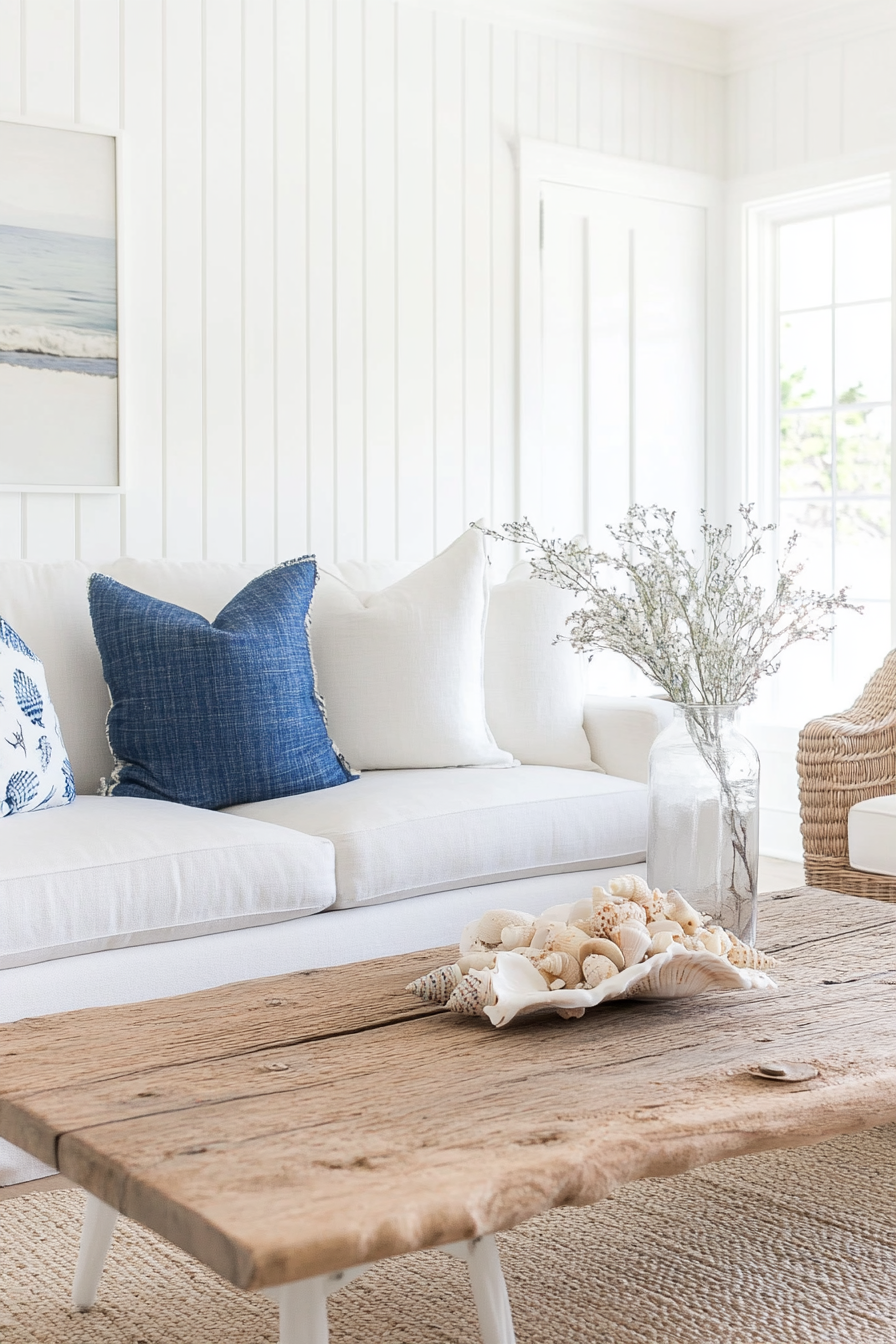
[(833, 100), (318, 215)]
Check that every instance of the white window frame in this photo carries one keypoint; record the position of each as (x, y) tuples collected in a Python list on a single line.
[(761, 369)]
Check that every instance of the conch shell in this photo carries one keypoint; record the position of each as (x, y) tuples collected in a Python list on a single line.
[(560, 966), (473, 994), (493, 923), (601, 947), (597, 968), (438, 985), (750, 958), (633, 941), (630, 887)]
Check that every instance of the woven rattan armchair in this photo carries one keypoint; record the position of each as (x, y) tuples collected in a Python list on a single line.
[(842, 760)]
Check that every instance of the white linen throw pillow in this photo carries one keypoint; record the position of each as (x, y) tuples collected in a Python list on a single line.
[(534, 687), (401, 669)]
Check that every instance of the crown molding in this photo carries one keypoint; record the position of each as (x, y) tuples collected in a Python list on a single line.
[(610, 24), (806, 28)]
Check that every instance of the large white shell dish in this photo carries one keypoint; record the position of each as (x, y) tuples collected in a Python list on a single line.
[(675, 974)]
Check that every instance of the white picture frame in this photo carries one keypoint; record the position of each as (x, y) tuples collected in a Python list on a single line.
[(88, 457)]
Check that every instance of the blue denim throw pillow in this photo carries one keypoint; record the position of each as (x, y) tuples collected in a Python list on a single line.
[(212, 714)]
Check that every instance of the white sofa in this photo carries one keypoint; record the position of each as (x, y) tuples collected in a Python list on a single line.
[(118, 899)]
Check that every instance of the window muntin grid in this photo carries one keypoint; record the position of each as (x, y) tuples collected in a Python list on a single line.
[(834, 439)]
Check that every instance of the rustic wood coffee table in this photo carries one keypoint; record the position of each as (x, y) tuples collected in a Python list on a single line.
[(288, 1132)]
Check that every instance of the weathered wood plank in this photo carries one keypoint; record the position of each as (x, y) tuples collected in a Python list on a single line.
[(274, 1146), (211, 1024)]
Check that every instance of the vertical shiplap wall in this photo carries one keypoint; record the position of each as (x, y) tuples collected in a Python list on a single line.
[(829, 102), (318, 213)]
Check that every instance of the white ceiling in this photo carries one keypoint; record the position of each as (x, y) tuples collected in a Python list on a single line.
[(728, 13)]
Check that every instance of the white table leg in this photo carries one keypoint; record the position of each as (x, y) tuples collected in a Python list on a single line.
[(96, 1237), (303, 1311), (489, 1288), (303, 1305)]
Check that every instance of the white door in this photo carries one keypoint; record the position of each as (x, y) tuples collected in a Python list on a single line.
[(617, 274)]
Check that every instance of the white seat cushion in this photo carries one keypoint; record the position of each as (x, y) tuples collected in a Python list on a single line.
[(401, 833), (872, 835), (114, 872)]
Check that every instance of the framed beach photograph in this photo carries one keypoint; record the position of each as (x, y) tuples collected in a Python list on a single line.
[(59, 421)]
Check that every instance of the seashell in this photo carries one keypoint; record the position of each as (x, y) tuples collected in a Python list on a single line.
[(603, 921), (493, 923), (597, 968), (438, 985), (665, 926), (602, 947), (600, 896), (654, 906), (517, 935), (580, 910), (28, 697), (661, 942), (633, 941), (473, 994), (630, 887), (710, 941), (691, 942), (470, 940), (560, 966), (750, 958), (609, 916), (567, 1013), (21, 788), (677, 908), (476, 961), (565, 938), (723, 936), (682, 974)]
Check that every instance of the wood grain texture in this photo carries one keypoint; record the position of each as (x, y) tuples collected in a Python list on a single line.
[(304, 1123)]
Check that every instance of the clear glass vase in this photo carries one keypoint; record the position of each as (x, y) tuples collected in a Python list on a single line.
[(703, 815)]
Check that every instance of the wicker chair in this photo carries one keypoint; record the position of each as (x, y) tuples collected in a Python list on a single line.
[(843, 759)]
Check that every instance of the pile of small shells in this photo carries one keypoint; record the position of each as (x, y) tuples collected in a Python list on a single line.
[(601, 937)]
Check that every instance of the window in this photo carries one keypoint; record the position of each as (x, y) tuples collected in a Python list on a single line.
[(834, 443)]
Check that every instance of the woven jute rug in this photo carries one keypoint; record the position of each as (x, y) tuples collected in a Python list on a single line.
[(782, 1248)]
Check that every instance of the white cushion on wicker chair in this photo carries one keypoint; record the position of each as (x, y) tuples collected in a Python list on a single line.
[(872, 835)]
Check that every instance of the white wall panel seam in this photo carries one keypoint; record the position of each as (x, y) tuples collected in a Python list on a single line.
[(76, 60), (23, 58)]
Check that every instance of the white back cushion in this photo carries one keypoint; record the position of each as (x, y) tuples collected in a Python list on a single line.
[(534, 687), (47, 605)]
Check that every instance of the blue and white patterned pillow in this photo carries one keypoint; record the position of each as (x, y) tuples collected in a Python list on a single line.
[(34, 769)]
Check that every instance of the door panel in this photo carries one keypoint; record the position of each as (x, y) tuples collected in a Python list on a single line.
[(623, 306)]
